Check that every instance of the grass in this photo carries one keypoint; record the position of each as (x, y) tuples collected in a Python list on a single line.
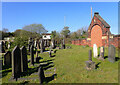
[(70, 68)]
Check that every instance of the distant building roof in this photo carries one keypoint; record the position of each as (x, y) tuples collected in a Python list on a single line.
[(46, 34), (96, 14)]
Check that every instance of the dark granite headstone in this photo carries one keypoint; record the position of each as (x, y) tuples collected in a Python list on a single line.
[(32, 54), (24, 61), (90, 64), (111, 53), (50, 53), (16, 62), (6, 45), (41, 75), (2, 47), (7, 58)]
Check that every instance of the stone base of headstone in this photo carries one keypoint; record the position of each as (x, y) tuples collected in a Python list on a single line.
[(111, 60), (101, 58), (37, 59), (90, 65)]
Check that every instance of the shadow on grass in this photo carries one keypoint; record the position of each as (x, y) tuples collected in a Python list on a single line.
[(105, 57), (53, 56), (6, 67), (48, 67), (4, 73), (117, 58), (44, 65), (47, 60), (97, 65), (29, 71), (48, 79), (24, 83)]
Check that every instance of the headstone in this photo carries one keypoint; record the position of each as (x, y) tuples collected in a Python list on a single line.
[(35, 44), (95, 52), (90, 55), (24, 61), (6, 45), (111, 53), (1, 64), (2, 47), (90, 64), (50, 53), (37, 58), (101, 53), (42, 46), (63, 44), (16, 62), (7, 58), (9, 45), (32, 54), (41, 75)]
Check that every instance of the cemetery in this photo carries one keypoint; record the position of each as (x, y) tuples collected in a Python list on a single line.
[(31, 55)]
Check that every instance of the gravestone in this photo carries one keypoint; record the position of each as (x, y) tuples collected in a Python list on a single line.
[(16, 62), (30, 42), (7, 58), (6, 45), (90, 64), (41, 75), (63, 44), (9, 45), (42, 46), (32, 54), (111, 53), (95, 52), (24, 61), (101, 53), (50, 53), (35, 44), (1, 64), (37, 58), (2, 47)]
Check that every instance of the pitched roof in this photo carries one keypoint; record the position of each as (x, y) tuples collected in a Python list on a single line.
[(96, 14)]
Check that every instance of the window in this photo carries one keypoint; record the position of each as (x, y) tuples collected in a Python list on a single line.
[(44, 36)]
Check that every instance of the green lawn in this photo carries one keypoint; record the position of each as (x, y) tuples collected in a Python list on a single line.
[(70, 68)]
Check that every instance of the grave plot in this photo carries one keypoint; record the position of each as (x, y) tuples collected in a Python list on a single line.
[(67, 66)]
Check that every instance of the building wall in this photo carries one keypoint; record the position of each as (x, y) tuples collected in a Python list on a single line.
[(96, 36)]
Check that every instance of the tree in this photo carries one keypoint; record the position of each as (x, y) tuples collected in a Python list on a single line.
[(53, 34), (36, 28), (65, 32), (5, 30)]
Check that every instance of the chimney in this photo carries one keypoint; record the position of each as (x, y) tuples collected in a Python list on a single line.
[(96, 13)]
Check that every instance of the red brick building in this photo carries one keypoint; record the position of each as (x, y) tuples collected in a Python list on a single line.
[(99, 34)]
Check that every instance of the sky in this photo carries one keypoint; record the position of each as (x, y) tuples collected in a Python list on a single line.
[(16, 15)]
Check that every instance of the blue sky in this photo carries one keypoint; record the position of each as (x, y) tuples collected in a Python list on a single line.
[(16, 15)]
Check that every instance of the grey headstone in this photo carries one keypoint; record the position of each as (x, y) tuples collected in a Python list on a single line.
[(32, 54), (101, 53), (16, 62), (111, 53), (24, 61), (90, 64), (7, 58), (41, 75), (90, 55)]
